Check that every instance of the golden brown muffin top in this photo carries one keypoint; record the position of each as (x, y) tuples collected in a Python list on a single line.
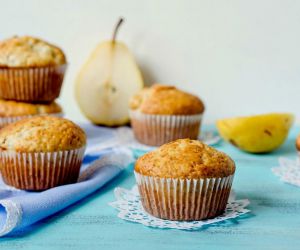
[(298, 143), (28, 51), (42, 134), (13, 108), (166, 100), (185, 159)]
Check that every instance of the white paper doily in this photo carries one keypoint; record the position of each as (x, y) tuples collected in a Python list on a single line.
[(288, 171), (130, 209), (124, 137)]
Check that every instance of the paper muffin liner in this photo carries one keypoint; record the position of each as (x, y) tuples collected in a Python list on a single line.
[(31, 84), (4, 121), (184, 199), (155, 130), (40, 171)]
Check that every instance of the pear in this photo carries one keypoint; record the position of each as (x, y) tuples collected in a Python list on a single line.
[(256, 134), (107, 81)]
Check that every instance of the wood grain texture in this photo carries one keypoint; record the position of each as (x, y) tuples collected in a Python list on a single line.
[(274, 221)]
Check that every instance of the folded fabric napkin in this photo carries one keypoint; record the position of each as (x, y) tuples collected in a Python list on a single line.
[(19, 209)]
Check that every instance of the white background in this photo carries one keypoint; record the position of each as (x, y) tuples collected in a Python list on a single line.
[(241, 57)]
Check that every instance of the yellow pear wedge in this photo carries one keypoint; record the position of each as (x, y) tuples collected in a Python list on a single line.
[(107, 81), (256, 134)]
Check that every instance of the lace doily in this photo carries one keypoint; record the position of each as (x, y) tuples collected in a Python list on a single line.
[(130, 209), (288, 171), (124, 137)]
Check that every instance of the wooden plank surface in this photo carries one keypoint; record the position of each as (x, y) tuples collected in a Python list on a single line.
[(274, 221)]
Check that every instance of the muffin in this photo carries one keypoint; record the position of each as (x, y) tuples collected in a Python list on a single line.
[(31, 70), (12, 111), (41, 152), (161, 114), (184, 180), (297, 144)]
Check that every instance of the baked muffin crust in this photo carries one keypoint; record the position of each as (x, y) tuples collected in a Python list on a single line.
[(13, 108), (42, 134), (185, 159), (166, 100), (298, 143), (28, 51)]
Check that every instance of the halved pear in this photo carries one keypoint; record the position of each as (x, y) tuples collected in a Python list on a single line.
[(106, 82), (256, 134)]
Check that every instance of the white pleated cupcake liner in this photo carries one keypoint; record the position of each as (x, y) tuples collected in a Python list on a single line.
[(4, 121), (155, 130), (40, 170), (184, 199), (31, 84)]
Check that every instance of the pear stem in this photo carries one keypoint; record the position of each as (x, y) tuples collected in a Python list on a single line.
[(120, 21)]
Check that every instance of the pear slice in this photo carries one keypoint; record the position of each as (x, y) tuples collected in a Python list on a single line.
[(107, 81), (256, 134)]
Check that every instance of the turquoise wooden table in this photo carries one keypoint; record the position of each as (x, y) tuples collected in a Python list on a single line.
[(274, 221)]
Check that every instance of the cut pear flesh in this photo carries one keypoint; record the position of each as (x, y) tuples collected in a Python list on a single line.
[(106, 83)]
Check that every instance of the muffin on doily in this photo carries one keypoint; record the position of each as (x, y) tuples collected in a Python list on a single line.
[(12, 111), (161, 114), (184, 180), (41, 152), (31, 69)]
